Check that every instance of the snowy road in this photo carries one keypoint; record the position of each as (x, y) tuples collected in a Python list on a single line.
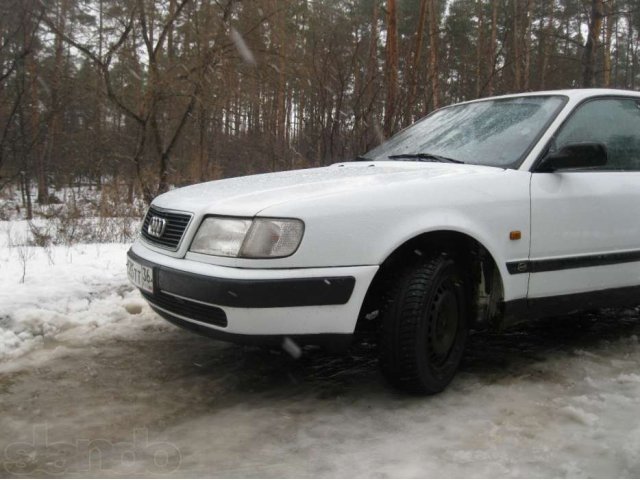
[(92, 383)]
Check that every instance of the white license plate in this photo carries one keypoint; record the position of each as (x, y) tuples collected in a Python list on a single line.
[(140, 276)]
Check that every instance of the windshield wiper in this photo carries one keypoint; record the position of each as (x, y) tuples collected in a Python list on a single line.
[(426, 157), (360, 158)]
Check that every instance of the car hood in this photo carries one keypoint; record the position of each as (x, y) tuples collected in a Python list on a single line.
[(247, 196)]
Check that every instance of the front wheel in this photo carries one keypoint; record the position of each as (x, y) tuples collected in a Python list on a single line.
[(424, 326)]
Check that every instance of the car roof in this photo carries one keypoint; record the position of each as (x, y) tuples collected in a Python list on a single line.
[(576, 94)]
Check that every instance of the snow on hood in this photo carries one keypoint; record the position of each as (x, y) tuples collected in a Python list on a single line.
[(249, 195)]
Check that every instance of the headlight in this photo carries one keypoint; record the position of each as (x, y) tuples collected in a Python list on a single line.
[(239, 237), (221, 236), (272, 238)]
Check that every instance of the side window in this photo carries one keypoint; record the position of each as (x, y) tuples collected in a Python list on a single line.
[(614, 122)]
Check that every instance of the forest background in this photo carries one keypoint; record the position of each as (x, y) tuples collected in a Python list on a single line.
[(136, 96)]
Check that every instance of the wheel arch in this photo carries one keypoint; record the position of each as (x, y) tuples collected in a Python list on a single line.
[(485, 274)]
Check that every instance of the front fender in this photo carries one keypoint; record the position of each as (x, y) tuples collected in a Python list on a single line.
[(456, 221)]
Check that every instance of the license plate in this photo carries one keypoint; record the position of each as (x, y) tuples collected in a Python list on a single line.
[(140, 276)]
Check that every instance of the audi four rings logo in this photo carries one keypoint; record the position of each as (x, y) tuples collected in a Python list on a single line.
[(156, 226)]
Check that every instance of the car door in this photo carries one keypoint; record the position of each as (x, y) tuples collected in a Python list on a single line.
[(585, 223)]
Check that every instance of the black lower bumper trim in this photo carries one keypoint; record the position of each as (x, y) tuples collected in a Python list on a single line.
[(289, 292), (197, 311), (335, 342)]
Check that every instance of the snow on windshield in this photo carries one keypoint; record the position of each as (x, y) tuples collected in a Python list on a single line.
[(493, 132)]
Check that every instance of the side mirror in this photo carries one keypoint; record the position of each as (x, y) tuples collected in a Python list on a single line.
[(574, 155)]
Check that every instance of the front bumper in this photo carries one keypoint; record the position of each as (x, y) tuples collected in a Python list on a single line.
[(256, 306)]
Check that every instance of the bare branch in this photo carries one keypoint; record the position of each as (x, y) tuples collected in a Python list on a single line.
[(103, 64), (167, 26)]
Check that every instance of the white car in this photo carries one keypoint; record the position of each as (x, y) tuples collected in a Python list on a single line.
[(481, 214)]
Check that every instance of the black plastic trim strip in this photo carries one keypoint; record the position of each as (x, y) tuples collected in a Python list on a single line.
[(567, 263), (189, 309), (522, 309), (519, 267), (272, 293)]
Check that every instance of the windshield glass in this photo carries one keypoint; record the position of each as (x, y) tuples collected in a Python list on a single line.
[(491, 132)]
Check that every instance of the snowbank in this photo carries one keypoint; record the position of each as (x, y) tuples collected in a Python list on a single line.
[(49, 293)]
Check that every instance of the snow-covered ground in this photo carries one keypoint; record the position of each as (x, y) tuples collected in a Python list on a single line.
[(92, 383), (61, 292)]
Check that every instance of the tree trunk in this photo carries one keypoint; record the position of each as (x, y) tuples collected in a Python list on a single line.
[(372, 71), (479, 46), (515, 46), (417, 58), (96, 151), (526, 45), (53, 127), (616, 57), (203, 154), (491, 60), (634, 65), (628, 60), (606, 60), (170, 41), (391, 68), (591, 47), (545, 35), (35, 150), (434, 73), (27, 190), (281, 95)]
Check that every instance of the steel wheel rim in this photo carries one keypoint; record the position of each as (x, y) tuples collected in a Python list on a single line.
[(443, 325)]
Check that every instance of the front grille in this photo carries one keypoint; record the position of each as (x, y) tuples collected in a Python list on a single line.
[(194, 310), (176, 224)]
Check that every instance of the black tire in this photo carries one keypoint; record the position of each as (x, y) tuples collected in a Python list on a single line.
[(424, 326)]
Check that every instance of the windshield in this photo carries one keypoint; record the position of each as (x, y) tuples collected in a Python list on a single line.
[(492, 132)]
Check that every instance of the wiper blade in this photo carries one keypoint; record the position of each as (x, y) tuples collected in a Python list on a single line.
[(360, 158), (426, 157)]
